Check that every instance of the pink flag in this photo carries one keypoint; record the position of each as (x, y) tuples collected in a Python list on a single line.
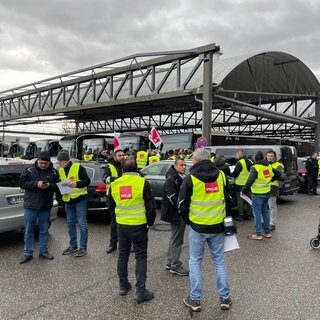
[(155, 138), (116, 142)]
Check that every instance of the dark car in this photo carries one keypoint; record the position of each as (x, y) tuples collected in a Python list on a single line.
[(302, 173), (97, 198), (156, 175)]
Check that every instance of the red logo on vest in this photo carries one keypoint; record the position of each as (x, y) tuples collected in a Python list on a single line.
[(126, 192), (266, 173), (211, 187)]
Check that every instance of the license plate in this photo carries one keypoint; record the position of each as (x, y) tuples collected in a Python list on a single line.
[(12, 200)]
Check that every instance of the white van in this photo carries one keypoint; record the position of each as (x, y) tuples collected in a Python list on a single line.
[(287, 155)]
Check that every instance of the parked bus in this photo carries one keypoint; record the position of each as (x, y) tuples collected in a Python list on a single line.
[(77, 145), (287, 155)]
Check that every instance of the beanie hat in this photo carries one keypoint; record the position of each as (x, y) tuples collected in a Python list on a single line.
[(258, 156), (63, 155), (44, 155)]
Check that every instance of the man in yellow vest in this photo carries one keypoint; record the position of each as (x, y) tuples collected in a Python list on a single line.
[(142, 158), (88, 156), (260, 176), (113, 172), (154, 157), (241, 174), (274, 192), (133, 204), (203, 202), (75, 202)]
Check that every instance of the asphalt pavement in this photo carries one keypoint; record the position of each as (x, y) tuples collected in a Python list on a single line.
[(270, 279)]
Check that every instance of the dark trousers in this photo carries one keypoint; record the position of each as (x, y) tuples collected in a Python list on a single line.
[(138, 237), (113, 232), (312, 183)]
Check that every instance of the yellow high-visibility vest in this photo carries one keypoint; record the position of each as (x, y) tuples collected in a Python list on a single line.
[(262, 183), (276, 165), (207, 206), (73, 176), (154, 159), (241, 179), (127, 192), (142, 159), (88, 157)]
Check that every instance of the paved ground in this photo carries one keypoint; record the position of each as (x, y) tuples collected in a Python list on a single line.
[(276, 278)]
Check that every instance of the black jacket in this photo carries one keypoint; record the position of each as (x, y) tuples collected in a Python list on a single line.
[(254, 174), (84, 182), (205, 171), (312, 166), (34, 197), (149, 202), (118, 167), (169, 203)]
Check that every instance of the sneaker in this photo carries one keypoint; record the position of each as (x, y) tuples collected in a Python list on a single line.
[(124, 289), (194, 305), (81, 252), (69, 250), (26, 259), (225, 303), (168, 266), (266, 235), (255, 236), (145, 296), (180, 270), (46, 255)]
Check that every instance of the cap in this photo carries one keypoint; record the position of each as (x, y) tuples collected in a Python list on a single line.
[(44, 155), (63, 155)]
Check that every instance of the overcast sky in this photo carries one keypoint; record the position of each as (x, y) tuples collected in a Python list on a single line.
[(41, 39)]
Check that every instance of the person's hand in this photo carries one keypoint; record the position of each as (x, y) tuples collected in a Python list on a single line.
[(42, 185), (73, 184)]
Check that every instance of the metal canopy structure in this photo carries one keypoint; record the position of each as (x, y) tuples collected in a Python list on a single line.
[(266, 93)]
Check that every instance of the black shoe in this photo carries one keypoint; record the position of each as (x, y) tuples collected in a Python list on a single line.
[(145, 296), (225, 303), (81, 252), (111, 248), (168, 267), (46, 255), (124, 289), (69, 250), (26, 259)]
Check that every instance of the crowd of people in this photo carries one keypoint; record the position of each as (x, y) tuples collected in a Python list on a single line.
[(201, 199)]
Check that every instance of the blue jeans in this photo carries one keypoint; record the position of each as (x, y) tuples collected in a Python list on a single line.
[(260, 209), (196, 250), (30, 222), (77, 212)]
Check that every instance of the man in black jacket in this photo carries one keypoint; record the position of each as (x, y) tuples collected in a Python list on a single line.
[(312, 173), (169, 213), (203, 203), (132, 203), (39, 182)]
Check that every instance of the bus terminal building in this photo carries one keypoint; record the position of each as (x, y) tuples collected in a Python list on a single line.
[(264, 94)]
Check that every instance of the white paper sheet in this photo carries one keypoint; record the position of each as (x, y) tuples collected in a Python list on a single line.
[(246, 198), (231, 243), (64, 187)]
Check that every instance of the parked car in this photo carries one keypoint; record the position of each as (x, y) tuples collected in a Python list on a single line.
[(302, 173), (97, 198), (12, 197), (156, 175)]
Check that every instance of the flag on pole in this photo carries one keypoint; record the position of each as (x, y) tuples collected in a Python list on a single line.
[(155, 138), (116, 142)]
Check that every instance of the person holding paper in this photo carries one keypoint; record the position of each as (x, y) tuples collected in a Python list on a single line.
[(260, 176), (203, 202), (75, 202)]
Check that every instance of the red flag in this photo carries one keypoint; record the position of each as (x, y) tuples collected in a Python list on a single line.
[(155, 138), (116, 142)]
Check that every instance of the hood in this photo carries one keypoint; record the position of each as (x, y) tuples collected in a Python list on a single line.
[(171, 171), (263, 162), (205, 171)]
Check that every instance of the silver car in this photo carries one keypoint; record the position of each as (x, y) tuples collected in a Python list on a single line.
[(156, 175), (11, 196)]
